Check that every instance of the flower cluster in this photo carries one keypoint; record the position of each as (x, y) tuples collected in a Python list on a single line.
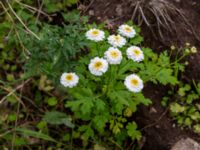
[(113, 56)]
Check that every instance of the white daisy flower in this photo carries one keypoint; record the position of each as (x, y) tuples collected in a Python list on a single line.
[(113, 55), (95, 35), (127, 31), (116, 40), (98, 66), (69, 79), (133, 83), (135, 53)]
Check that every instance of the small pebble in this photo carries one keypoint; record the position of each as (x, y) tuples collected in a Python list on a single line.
[(153, 110), (91, 12)]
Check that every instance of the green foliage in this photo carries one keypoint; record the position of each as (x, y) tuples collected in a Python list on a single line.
[(103, 101), (51, 6), (27, 132), (184, 107), (185, 110), (57, 118), (52, 101), (132, 132), (101, 106), (57, 47), (21, 110)]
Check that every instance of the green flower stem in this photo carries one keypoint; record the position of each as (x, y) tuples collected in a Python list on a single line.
[(111, 79), (127, 62), (179, 59), (97, 48), (112, 141)]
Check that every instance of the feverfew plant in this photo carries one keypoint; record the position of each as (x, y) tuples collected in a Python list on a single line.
[(111, 79)]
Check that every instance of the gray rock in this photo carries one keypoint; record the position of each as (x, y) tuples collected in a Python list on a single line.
[(186, 144)]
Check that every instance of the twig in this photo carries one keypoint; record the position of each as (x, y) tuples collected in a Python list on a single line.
[(14, 129), (143, 16), (115, 144), (3, 134), (153, 124), (13, 22), (17, 114), (13, 91), (22, 45), (40, 8), (134, 11), (88, 6), (33, 8)]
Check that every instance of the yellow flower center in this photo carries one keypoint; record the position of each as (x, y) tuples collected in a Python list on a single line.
[(69, 77), (136, 52), (114, 54), (117, 38), (95, 32), (134, 82), (127, 29), (98, 65)]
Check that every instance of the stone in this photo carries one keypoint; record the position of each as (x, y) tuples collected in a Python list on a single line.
[(152, 110), (119, 10), (186, 144)]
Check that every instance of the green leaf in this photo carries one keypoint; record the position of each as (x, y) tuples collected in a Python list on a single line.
[(100, 122), (121, 96), (57, 118), (12, 117), (100, 105), (52, 101), (191, 97), (197, 128), (188, 122), (164, 59), (165, 76), (125, 66), (87, 132), (139, 97), (136, 40), (20, 141), (181, 91), (176, 108), (87, 106), (35, 134), (133, 132)]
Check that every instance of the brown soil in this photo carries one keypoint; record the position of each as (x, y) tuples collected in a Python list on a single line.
[(159, 130)]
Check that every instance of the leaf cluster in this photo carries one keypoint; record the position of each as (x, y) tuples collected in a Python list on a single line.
[(56, 51), (186, 108)]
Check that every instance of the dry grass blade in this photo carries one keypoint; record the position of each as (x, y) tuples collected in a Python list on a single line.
[(143, 16), (31, 32), (12, 92), (33, 8)]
